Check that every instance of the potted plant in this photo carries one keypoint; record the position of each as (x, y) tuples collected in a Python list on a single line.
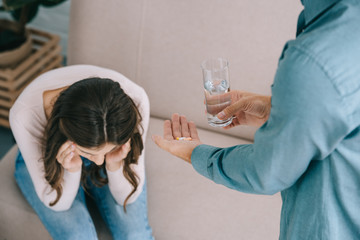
[(15, 39)]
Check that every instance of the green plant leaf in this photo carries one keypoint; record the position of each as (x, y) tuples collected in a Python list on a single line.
[(50, 3), (31, 13), (11, 5), (15, 6)]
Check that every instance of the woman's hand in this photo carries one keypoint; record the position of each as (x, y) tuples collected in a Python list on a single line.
[(68, 158), (114, 159), (178, 127), (248, 108)]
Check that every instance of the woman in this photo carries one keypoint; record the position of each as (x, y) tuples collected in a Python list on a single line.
[(77, 129)]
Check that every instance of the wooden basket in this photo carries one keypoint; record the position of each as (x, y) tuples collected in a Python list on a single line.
[(45, 55)]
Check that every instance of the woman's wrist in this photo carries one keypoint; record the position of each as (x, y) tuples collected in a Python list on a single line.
[(73, 170), (112, 167)]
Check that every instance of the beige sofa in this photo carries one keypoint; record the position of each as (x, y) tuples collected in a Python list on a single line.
[(160, 44)]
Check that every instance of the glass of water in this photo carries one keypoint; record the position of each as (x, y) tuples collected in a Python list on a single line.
[(216, 85)]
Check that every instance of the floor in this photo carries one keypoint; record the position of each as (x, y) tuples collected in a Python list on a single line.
[(6, 141)]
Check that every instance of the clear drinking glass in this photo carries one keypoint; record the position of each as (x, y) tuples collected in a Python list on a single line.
[(216, 84)]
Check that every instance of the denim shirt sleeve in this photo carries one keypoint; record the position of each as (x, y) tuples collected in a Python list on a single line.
[(306, 122)]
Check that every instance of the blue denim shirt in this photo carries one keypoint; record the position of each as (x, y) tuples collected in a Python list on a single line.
[(309, 149)]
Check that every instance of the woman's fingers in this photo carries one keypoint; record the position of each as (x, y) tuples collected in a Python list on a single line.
[(124, 150), (127, 147), (66, 157), (64, 151), (67, 163)]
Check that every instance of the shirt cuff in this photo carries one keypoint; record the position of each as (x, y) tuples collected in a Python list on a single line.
[(200, 159)]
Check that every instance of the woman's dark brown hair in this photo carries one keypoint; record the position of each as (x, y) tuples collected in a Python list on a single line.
[(90, 113)]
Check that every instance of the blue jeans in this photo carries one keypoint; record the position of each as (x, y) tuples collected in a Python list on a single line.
[(76, 223)]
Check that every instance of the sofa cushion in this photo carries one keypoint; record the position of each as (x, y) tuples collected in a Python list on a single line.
[(17, 219), (182, 204)]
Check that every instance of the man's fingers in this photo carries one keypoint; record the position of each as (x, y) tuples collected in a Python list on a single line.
[(176, 128), (184, 127), (216, 108), (241, 105), (168, 130), (193, 131), (256, 106), (234, 123), (215, 99)]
